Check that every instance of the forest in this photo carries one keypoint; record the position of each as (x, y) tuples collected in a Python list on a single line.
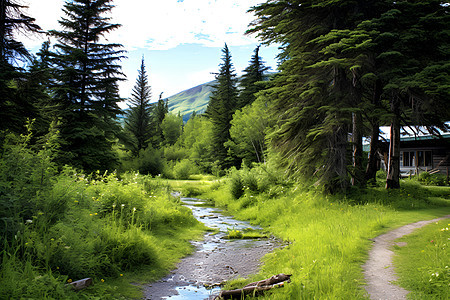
[(85, 186)]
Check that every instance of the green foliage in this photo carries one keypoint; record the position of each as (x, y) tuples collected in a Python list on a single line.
[(222, 104), (248, 132), (234, 234), (86, 75), (251, 80), (422, 264), (196, 140), (339, 60), (432, 179), (184, 169), (148, 162), (172, 127), (138, 117), (160, 110), (11, 49), (261, 178)]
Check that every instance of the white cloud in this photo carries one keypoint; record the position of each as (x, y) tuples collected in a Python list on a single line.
[(164, 24)]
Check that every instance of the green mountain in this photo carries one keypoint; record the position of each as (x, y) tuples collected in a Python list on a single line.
[(193, 99), (196, 98)]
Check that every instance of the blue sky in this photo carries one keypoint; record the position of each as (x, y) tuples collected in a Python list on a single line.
[(181, 40)]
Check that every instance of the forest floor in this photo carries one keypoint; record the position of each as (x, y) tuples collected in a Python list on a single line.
[(379, 271)]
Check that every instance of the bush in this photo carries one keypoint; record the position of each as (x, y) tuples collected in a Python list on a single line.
[(149, 162), (259, 179), (184, 168), (235, 183), (432, 179)]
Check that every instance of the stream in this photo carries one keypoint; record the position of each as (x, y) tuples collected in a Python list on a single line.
[(215, 260)]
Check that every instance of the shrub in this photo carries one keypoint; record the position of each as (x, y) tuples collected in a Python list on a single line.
[(235, 183), (184, 168), (432, 179)]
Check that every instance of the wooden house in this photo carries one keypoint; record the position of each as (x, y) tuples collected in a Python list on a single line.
[(425, 153)]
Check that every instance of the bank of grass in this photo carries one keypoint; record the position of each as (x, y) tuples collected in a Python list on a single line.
[(195, 186), (329, 235), (423, 264)]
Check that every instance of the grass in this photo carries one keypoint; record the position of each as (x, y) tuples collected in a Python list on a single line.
[(329, 235), (248, 233), (423, 265)]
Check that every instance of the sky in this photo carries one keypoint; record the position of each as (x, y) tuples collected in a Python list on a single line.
[(181, 40)]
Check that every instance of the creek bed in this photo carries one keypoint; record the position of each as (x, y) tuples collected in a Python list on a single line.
[(215, 260)]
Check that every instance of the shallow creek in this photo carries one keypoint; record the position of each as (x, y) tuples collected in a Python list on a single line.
[(215, 260)]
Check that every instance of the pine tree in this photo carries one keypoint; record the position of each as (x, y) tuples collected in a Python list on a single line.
[(222, 104), (160, 110), (138, 117), (253, 74), (343, 60), (86, 76), (312, 96), (13, 20), (13, 109)]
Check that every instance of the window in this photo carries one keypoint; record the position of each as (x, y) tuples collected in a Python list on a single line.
[(424, 158)]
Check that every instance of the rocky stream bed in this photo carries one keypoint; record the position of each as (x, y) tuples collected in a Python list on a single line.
[(215, 260)]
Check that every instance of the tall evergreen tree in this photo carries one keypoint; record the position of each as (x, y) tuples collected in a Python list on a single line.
[(138, 118), (13, 109), (13, 20), (253, 74), (159, 111), (313, 95), (86, 74), (221, 106), (341, 59)]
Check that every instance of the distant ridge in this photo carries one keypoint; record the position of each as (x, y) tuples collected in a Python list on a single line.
[(196, 98), (190, 100)]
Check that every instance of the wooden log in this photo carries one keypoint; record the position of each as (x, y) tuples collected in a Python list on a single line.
[(270, 281), (81, 284), (255, 288)]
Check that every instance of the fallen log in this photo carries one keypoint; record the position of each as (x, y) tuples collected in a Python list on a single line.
[(256, 288), (270, 281), (81, 284)]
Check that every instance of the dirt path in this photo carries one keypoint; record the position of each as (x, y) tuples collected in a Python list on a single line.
[(378, 270)]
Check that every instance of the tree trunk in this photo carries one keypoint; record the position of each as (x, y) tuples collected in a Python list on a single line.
[(358, 173), (393, 170), (371, 169)]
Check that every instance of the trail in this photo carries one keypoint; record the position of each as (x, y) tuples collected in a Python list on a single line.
[(378, 270)]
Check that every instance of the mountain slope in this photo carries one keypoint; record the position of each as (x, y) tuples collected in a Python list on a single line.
[(197, 98), (193, 99)]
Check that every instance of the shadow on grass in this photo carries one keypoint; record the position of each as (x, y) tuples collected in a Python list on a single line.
[(411, 196)]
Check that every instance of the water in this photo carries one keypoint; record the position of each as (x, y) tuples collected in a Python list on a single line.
[(193, 292)]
